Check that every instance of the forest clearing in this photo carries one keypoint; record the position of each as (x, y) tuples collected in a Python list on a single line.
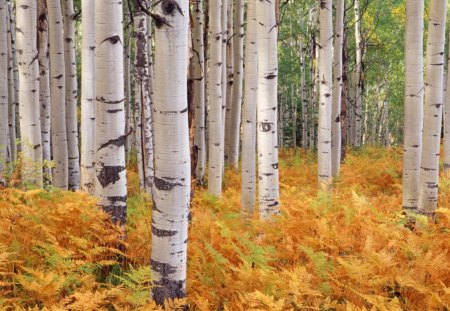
[(224, 155), (348, 250)]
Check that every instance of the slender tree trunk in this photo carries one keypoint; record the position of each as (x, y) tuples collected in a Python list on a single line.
[(142, 96), (447, 119), (12, 64), (215, 116), (248, 195), (294, 120), (344, 96), (12, 25), (30, 126), (71, 96), (110, 181), (58, 94), (199, 90), (44, 89), (312, 76), (88, 96), (337, 91), (172, 155), (238, 58), (267, 31), (3, 88), (224, 74), (358, 78), (127, 77), (326, 91), (303, 92), (431, 137)]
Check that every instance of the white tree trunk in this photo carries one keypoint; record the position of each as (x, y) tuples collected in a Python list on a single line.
[(303, 92), (224, 76), (413, 106), (71, 96), (111, 181), (447, 120), (172, 184), (12, 64), (267, 31), (30, 127), (248, 195), (199, 89), (431, 137), (88, 96), (44, 88), (215, 100), (142, 97), (3, 88), (58, 94), (358, 78), (337, 91), (238, 58), (229, 55), (326, 93)]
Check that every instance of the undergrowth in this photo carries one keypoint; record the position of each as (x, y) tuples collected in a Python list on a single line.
[(348, 250)]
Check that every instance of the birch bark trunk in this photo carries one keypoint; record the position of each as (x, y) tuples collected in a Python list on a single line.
[(172, 186), (58, 94), (12, 94), (358, 82), (431, 137), (337, 91), (267, 32), (199, 90), (215, 100), (326, 93), (111, 181), (88, 96), (248, 195), (30, 126), (44, 89), (71, 97), (3, 89)]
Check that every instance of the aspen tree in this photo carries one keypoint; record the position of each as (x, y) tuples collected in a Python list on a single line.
[(215, 100), (358, 115), (413, 103), (30, 127), (238, 68), (337, 90), (71, 96), (248, 194), (229, 64), (267, 32), (199, 89), (142, 96), (44, 87), (431, 136), (3, 87), (172, 185), (88, 96), (326, 93), (224, 75), (447, 120), (110, 170), (58, 94), (12, 94)]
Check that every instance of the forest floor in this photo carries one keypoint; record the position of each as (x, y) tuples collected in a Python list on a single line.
[(346, 251)]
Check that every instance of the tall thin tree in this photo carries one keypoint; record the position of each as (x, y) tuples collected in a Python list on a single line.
[(172, 187), (431, 137), (30, 127), (267, 32), (248, 195), (58, 94), (326, 93), (88, 96), (110, 170), (413, 103), (3, 87)]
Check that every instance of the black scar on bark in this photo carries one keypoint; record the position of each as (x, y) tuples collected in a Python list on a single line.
[(169, 6), (275, 203), (113, 39), (115, 199), (275, 165), (109, 174), (165, 287), (271, 76), (165, 185), (118, 141), (265, 127), (118, 213), (163, 233)]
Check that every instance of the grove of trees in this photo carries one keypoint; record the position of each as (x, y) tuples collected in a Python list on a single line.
[(187, 92)]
